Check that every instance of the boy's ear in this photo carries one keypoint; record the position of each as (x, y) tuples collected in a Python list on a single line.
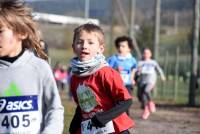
[(22, 36), (102, 48)]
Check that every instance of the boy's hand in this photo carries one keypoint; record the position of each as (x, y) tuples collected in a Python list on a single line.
[(163, 78), (96, 122), (133, 82)]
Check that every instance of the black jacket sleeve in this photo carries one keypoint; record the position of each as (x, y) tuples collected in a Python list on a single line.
[(100, 119), (76, 121)]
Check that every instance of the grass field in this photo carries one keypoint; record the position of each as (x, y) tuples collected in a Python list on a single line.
[(69, 107), (60, 55)]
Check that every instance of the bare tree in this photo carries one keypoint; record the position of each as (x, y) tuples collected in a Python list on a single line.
[(125, 20), (131, 27)]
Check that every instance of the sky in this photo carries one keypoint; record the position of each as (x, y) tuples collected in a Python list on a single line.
[(38, 0)]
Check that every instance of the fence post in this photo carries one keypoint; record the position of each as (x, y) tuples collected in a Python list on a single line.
[(165, 71), (176, 74)]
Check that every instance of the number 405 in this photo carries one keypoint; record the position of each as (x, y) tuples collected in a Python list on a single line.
[(14, 121)]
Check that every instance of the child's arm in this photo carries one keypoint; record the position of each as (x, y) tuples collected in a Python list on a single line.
[(133, 77), (134, 68), (76, 121), (100, 119), (119, 95), (111, 61), (52, 108), (160, 71)]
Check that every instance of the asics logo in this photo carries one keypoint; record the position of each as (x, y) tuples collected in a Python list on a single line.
[(15, 105), (2, 104)]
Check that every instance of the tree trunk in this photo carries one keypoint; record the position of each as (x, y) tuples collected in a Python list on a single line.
[(194, 54)]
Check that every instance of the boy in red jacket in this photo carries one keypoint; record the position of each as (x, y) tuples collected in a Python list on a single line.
[(98, 90)]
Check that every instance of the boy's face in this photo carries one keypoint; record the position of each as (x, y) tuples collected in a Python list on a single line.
[(87, 45), (10, 44), (147, 54), (123, 48)]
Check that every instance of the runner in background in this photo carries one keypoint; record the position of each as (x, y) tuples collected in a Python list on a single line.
[(61, 76), (98, 90), (124, 62), (29, 99), (44, 46), (146, 76), (57, 74)]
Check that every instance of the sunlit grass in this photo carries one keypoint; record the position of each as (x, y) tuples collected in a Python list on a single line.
[(69, 107), (69, 112), (60, 55)]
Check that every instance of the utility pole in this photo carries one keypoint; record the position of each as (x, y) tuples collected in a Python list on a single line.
[(176, 15), (111, 25), (131, 17), (87, 8), (156, 34), (156, 29), (131, 27), (194, 54)]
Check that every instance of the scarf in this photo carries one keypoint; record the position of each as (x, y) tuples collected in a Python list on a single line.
[(85, 68), (128, 56)]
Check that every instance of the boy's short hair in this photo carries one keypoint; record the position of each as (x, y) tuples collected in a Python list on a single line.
[(89, 27), (146, 48), (124, 38)]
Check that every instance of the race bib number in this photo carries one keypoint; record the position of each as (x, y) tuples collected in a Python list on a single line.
[(125, 76), (87, 128), (147, 70), (19, 115)]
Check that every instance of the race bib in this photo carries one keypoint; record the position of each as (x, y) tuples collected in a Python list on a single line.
[(19, 115), (125, 76), (147, 70), (87, 128)]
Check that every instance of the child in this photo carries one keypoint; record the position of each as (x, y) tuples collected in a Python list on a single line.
[(97, 89), (29, 99), (146, 80), (124, 62), (58, 74)]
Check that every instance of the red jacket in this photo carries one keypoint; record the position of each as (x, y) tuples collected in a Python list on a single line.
[(105, 87)]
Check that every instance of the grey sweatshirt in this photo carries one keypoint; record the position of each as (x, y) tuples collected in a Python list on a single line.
[(29, 98), (148, 70)]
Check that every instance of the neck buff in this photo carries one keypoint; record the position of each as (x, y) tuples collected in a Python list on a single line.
[(85, 68), (124, 57)]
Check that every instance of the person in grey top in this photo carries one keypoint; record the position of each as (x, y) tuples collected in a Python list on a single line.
[(29, 98), (146, 76)]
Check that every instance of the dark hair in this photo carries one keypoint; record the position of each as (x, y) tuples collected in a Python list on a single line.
[(16, 15), (124, 38), (145, 48), (89, 27)]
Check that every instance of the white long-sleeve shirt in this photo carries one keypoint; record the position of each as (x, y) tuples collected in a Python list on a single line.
[(29, 98), (148, 70)]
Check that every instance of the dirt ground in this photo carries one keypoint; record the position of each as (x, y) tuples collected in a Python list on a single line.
[(168, 119)]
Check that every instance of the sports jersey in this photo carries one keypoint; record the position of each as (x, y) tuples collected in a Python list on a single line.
[(29, 99), (99, 92), (148, 70), (124, 65)]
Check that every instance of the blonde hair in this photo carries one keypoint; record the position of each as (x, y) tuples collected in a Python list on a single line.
[(89, 27), (16, 15)]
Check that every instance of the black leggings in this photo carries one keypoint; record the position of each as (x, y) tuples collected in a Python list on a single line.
[(125, 132), (143, 94)]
